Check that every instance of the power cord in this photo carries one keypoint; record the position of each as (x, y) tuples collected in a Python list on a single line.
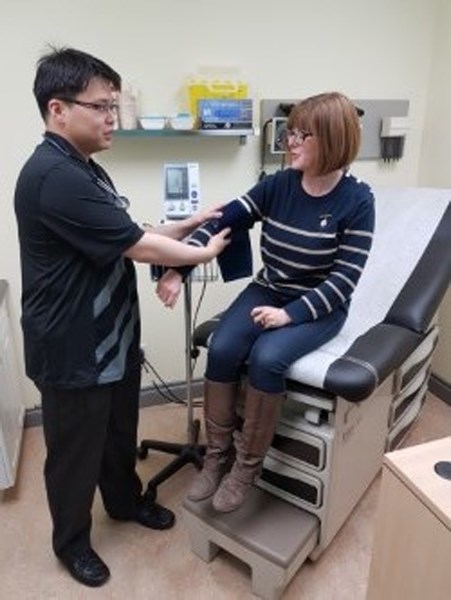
[(262, 173), (162, 388), (168, 394)]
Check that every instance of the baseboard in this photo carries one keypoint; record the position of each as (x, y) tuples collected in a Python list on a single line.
[(149, 397), (440, 388)]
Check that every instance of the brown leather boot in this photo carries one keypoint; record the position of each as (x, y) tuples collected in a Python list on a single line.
[(220, 422), (261, 412)]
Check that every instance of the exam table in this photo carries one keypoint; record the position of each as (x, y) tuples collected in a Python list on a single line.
[(346, 404)]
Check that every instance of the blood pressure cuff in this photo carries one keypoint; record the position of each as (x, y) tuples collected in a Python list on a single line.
[(235, 261)]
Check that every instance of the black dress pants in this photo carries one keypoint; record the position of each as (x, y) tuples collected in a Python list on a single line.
[(91, 438)]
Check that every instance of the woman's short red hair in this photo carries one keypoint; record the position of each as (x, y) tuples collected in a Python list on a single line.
[(333, 119)]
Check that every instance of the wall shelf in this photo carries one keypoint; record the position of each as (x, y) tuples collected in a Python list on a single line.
[(242, 134)]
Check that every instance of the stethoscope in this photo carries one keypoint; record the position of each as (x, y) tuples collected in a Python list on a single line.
[(118, 201)]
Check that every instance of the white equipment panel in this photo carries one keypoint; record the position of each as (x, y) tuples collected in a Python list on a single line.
[(181, 190)]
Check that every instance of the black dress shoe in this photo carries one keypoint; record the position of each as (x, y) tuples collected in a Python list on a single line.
[(154, 516), (86, 566)]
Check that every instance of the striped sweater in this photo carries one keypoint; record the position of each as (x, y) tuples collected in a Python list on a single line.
[(313, 249)]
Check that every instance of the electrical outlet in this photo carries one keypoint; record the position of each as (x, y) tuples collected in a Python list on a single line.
[(277, 135)]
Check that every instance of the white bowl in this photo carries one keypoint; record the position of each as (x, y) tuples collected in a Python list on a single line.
[(152, 122), (182, 121)]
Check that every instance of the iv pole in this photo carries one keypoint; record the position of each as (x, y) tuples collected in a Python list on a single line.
[(191, 451)]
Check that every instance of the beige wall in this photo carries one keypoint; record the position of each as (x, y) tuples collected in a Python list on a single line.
[(367, 49), (435, 163)]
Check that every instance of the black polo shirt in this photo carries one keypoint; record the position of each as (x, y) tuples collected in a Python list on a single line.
[(80, 314)]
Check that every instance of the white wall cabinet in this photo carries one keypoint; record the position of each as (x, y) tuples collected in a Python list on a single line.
[(12, 409)]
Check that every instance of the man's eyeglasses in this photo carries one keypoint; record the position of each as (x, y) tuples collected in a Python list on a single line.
[(295, 136), (101, 108)]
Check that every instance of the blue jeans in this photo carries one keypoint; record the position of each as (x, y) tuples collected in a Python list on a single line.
[(267, 353)]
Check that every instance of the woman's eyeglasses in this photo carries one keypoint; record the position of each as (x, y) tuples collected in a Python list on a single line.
[(295, 136)]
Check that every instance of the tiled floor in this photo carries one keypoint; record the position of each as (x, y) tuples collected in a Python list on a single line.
[(149, 565)]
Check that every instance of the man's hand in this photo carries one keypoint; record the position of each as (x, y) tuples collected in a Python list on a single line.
[(270, 317), (168, 288), (180, 229), (218, 242), (197, 219)]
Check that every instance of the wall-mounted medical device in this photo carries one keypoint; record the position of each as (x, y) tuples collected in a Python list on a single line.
[(181, 198), (181, 190), (277, 130), (393, 135), (231, 113), (371, 114)]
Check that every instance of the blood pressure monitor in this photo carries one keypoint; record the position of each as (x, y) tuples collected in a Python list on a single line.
[(181, 190)]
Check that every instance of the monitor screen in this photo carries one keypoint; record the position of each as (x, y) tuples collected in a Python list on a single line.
[(176, 182)]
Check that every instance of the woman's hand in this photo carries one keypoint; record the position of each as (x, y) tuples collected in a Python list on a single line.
[(168, 288), (270, 317)]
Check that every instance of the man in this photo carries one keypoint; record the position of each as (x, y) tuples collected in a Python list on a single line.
[(80, 314)]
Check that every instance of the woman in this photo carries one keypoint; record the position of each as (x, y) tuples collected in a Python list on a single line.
[(317, 224)]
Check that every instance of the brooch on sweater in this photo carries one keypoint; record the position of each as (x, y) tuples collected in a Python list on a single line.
[(324, 220)]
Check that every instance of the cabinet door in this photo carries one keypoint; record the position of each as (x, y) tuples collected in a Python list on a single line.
[(412, 546), (11, 405)]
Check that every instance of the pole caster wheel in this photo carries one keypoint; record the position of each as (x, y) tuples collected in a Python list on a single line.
[(142, 452)]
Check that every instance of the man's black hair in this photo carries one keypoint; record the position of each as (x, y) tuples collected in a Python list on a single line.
[(66, 72)]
